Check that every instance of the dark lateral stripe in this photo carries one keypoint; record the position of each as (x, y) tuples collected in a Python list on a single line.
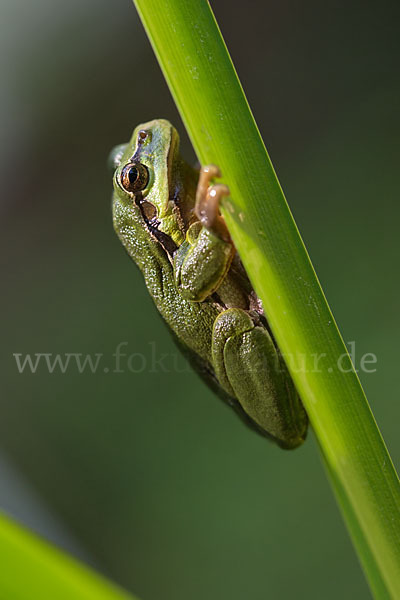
[(164, 240)]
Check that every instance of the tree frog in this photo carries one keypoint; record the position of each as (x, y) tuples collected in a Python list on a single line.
[(167, 216)]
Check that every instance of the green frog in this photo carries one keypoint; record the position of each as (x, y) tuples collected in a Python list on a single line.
[(167, 216)]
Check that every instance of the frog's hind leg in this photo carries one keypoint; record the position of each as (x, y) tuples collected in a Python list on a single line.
[(250, 368)]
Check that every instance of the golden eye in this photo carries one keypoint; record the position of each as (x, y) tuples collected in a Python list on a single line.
[(134, 177)]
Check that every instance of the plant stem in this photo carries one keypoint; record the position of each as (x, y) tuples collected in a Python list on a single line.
[(202, 79)]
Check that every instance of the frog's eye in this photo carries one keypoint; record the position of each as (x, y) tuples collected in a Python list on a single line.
[(134, 177)]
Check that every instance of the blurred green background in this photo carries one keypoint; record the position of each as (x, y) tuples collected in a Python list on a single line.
[(146, 475)]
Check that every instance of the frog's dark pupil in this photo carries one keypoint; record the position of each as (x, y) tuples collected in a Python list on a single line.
[(133, 175)]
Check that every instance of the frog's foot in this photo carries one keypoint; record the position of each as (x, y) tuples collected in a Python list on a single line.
[(249, 368), (208, 198)]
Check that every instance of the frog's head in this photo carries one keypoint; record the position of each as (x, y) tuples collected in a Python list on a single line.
[(145, 174)]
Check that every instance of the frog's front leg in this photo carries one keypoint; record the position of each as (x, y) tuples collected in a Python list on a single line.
[(250, 368), (204, 258), (208, 198)]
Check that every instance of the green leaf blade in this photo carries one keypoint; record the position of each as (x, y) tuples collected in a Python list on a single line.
[(31, 568), (212, 104)]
